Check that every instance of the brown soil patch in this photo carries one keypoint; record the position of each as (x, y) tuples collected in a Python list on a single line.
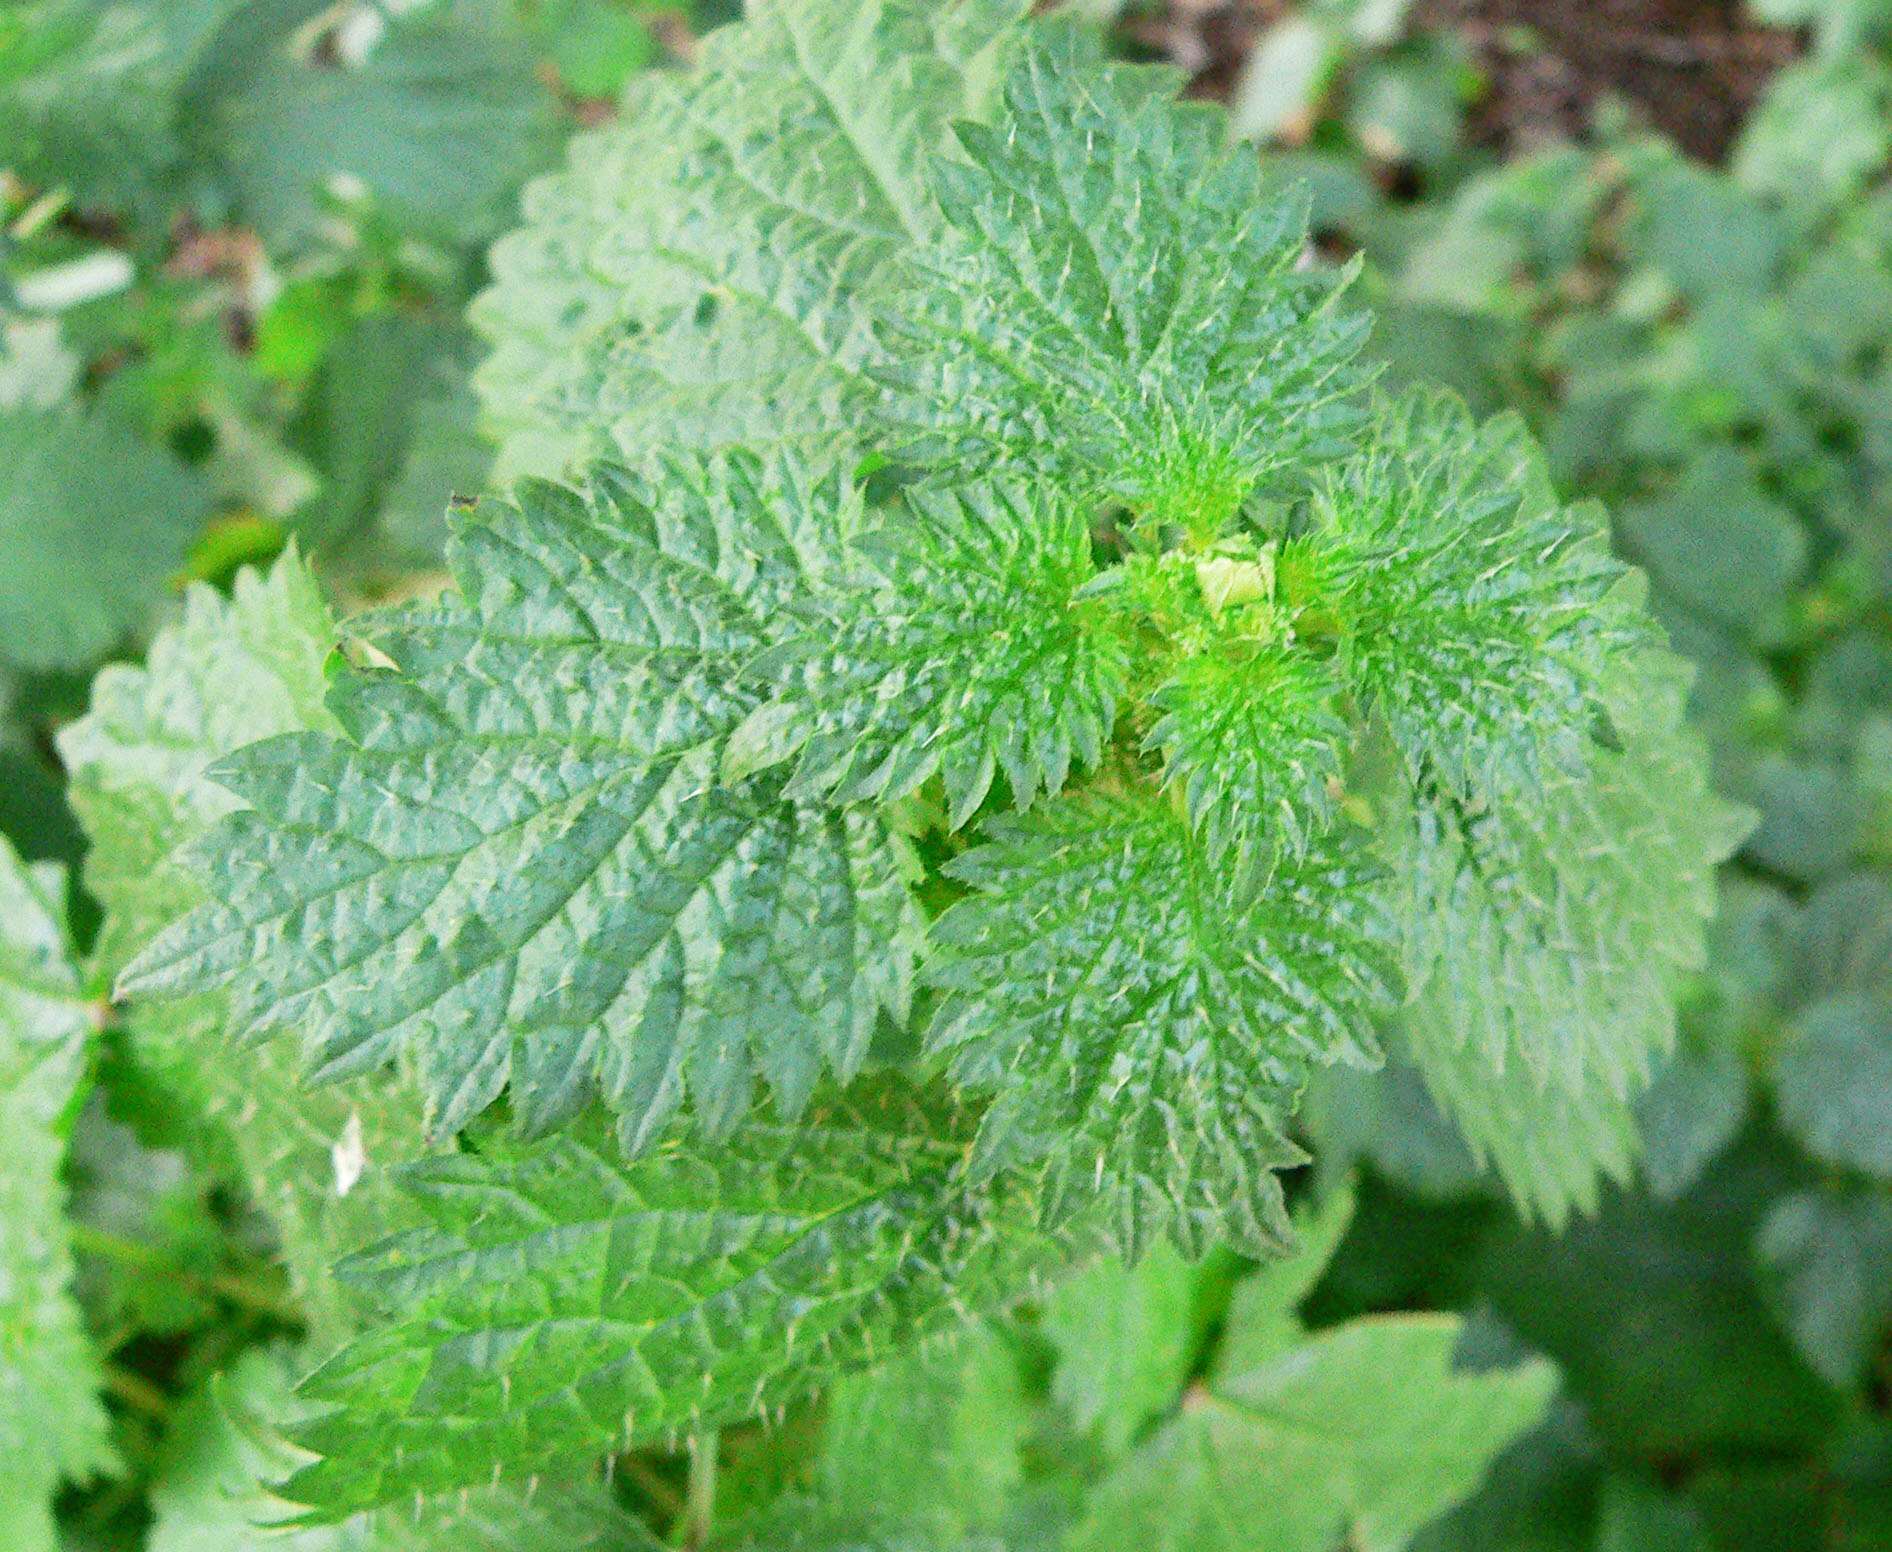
[(1691, 68)]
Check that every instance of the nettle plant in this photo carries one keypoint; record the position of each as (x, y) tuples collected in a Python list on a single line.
[(994, 702)]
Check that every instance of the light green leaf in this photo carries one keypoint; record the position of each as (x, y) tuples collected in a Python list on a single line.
[(514, 865), (1126, 1336), (52, 1427), (700, 273), (1262, 1318), (1248, 722), (37, 370), (1547, 936), (93, 522), (1821, 133), (88, 92), (595, 45), (1280, 85), (929, 1443), (228, 672), (314, 1162), (225, 1446), (1826, 1262), (557, 1302), (154, 1197), (1552, 1145), (1834, 1082), (1356, 1435), (1116, 302), (809, 1525), (1389, 1120), (1145, 1019)]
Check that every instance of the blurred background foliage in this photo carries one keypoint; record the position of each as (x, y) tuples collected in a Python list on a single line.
[(237, 240)]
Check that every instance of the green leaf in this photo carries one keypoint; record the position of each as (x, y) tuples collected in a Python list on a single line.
[(557, 1302), (1841, 945), (1538, 1496), (1262, 1321), (37, 370), (1282, 81), (88, 93), (1639, 1516), (1650, 1310), (1826, 1261), (1553, 1146), (802, 1525), (93, 523), (1145, 1019), (150, 1197), (699, 273), (1302, 1442), (362, 418), (1115, 301), (231, 670), (444, 458), (594, 44), (1389, 1120), (226, 1445), (1694, 1108), (1687, 213), (1811, 815), (1126, 1337), (930, 1443), (1820, 134), (1248, 722), (515, 866), (52, 1427), (441, 124), (315, 1163), (1470, 611), (1834, 1082), (1547, 935), (228, 672), (960, 649), (1720, 546), (34, 814)]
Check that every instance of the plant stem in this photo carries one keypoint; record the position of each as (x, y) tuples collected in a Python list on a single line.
[(699, 1510), (135, 1391), (240, 1291), (667, 1499)]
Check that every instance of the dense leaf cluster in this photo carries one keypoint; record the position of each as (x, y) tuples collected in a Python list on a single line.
[(986, 729), (1240, 699)]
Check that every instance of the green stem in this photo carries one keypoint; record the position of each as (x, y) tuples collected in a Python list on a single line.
[(240, 1291), (699, 1509), (135, 1391), (668, 1500)]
